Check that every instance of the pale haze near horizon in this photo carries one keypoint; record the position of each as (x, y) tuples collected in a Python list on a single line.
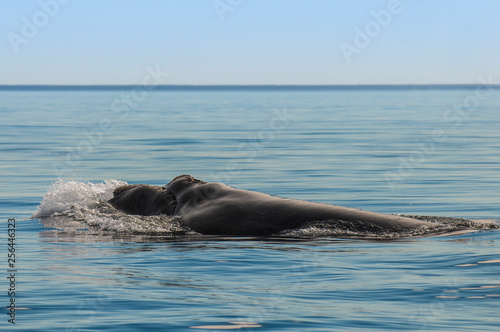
[(249, 42)]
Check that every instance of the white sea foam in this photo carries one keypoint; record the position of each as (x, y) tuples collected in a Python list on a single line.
[(64, 196), (71, 205)]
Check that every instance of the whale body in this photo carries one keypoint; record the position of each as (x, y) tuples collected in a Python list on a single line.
[(218, 209)]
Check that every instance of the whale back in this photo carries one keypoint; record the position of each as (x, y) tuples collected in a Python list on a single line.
[(217, 209)]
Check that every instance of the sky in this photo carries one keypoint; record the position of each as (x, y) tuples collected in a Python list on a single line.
[(203, 42)]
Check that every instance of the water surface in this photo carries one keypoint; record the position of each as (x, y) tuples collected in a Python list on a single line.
[(409, 151)]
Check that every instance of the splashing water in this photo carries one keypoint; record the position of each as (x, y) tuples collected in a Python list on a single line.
[(64, 196), (74, 205)]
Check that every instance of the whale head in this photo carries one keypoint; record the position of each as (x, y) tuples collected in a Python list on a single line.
[(147, 200), (143, 199)]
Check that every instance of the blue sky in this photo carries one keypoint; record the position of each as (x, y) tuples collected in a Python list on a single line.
[(249, 41)]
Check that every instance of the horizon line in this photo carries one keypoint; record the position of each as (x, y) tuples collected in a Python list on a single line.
[(240, 86)]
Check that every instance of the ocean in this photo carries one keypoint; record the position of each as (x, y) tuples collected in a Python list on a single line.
[(415, 150)]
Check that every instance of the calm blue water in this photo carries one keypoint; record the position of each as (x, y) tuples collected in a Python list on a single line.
[(395, 151)]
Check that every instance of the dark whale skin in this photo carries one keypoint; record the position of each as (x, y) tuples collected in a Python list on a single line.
[(217, 209)]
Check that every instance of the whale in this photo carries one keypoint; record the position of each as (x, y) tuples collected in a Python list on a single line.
[(214, 208)]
